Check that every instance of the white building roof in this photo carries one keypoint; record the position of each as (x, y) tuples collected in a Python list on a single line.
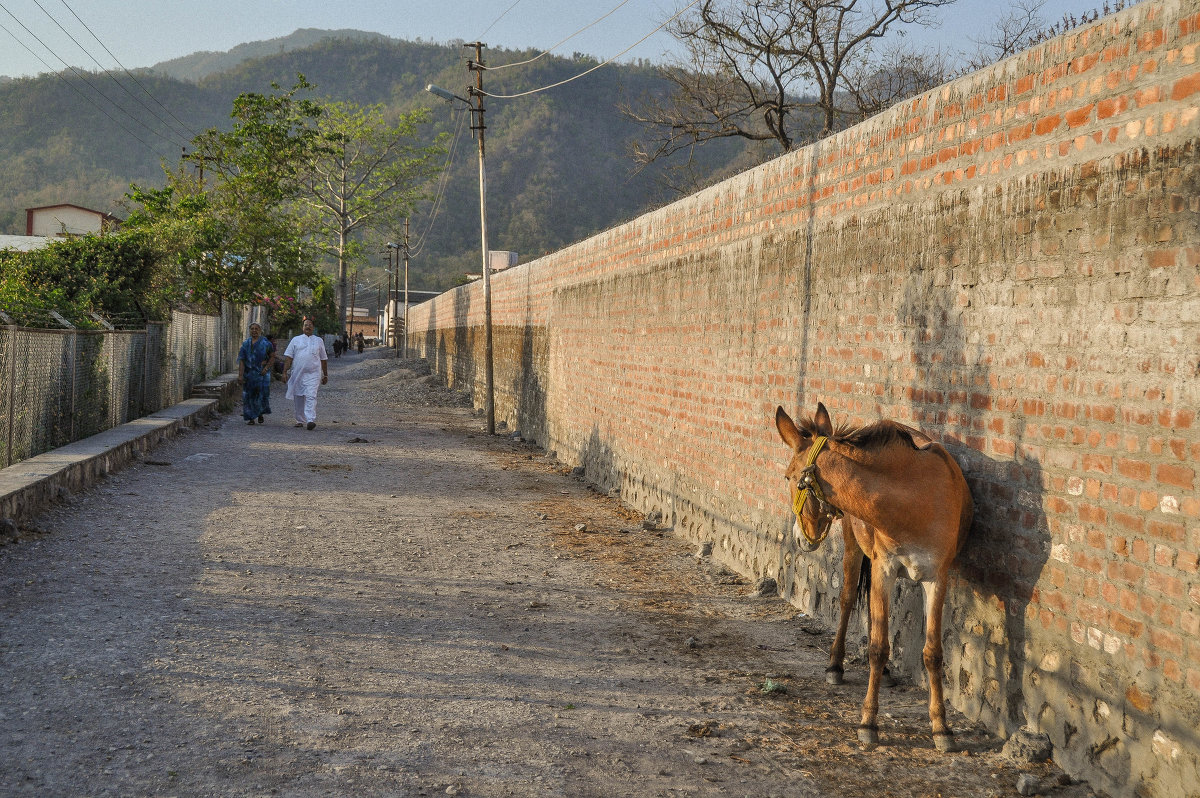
[(24, 243)]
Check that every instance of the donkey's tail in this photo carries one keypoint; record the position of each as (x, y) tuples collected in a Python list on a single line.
[(863, 597)]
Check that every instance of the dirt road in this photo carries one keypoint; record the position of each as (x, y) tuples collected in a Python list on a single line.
[(397, 604)]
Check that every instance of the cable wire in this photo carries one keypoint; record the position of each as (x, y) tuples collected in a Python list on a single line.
[(593, 69), (75, 88), (564, 41), (443, 181), (497, 19), (113, 78), (184, 126)]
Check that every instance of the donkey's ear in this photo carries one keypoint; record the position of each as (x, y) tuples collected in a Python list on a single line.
[(821, 420), (792, 436)]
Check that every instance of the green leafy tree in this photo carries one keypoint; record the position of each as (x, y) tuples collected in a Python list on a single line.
[(117, 276), (366, 172), (320, 307), (226, 217)]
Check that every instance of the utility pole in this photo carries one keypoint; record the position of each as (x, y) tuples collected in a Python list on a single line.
[(393, 266), (477, 66), (476, 91), (391, 320), (404, 345)]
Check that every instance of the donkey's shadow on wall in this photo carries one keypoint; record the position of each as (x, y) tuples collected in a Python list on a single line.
[(995, 576), (993, 582)]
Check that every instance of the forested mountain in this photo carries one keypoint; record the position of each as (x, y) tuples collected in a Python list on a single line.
[(198, 66), (557, 165)]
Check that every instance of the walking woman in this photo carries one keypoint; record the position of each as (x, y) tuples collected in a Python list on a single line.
[(254, 370)]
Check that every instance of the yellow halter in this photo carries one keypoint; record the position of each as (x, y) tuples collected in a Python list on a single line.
[(808, 482)]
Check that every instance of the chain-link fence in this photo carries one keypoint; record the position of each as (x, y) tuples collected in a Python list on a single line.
[(59, 386)]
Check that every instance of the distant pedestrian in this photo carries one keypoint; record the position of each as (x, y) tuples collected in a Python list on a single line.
[(358, 338), (255, 359), (306, 353), (337, 346)]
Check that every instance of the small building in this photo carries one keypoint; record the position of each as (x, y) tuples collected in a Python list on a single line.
[(362, 320), (391, 320), (66, 219)]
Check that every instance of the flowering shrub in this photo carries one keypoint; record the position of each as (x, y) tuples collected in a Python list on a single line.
[(288, 313), (278, 305)]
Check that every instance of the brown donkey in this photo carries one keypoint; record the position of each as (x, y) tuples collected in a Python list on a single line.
[(912, 510)]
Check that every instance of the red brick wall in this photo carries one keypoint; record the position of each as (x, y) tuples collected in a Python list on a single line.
[(1012, 263)]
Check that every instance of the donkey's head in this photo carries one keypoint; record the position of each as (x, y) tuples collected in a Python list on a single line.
[(814, 515)]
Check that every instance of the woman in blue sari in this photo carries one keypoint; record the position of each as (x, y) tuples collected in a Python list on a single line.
[(254, 370)]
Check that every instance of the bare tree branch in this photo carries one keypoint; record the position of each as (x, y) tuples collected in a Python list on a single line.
[(782, 71)]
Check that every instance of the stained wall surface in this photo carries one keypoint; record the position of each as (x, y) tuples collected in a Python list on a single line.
[(1011, 263)]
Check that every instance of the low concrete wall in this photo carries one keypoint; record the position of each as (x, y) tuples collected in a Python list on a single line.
[(29, 487), (1010, 262)]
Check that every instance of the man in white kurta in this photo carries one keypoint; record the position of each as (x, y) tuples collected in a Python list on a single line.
[(306, 368)]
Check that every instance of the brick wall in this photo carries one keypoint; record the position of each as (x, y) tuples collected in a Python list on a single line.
[(1010, 262)]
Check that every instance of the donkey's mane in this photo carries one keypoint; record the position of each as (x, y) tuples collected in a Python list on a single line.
[(877, 435)]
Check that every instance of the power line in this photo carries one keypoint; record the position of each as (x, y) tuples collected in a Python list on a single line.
[(81, 76), (479, 38), (593, 69), (111, 76), (443, 182), (75, 89), (133, 77), (564, 41)]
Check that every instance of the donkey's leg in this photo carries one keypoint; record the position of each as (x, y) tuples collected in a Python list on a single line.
[(878, 650), (935, 598), (851, 571)]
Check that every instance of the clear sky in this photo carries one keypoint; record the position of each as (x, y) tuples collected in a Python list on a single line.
[(140, 33)]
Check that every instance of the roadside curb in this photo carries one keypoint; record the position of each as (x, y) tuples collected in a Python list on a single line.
[(30, 486)]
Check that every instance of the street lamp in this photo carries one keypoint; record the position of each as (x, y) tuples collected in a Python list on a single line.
[(477, 93)]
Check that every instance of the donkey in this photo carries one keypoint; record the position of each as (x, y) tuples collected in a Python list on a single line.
[(912, 508)]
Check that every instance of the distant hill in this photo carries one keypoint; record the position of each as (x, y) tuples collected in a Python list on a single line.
[(557, 164), (200, 65)]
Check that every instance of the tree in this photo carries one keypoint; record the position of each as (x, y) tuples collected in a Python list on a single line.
[(1022, 26), (366, 172), (199, 235), (250, 176), (225, 217), (778, 71)]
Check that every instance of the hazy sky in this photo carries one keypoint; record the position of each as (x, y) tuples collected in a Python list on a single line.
[(143, 32)]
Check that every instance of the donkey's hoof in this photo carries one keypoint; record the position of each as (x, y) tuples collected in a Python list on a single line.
[(834, 676), (868, 736), (944, 743)]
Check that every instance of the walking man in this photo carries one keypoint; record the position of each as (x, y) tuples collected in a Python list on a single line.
[(306, 368)]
